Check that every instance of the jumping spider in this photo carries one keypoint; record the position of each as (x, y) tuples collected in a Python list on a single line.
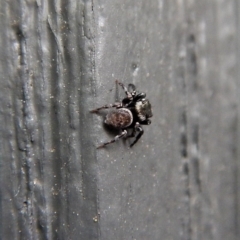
[(134, 111)]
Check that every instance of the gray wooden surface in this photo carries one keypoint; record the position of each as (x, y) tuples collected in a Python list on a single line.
[(59, 59)]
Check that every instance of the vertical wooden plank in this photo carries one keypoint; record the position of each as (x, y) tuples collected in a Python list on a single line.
[(48, 163), (213, 118), (144, 190)]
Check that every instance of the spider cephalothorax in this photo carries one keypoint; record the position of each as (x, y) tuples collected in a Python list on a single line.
[(134, 111)]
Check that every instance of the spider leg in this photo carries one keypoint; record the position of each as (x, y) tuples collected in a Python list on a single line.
[(123, 133), (140, 133), (116, 105), (129, 95), (132, 134), (133, 131)]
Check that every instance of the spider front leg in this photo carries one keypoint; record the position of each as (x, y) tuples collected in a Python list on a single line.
[(123, 134), (116, 105), (137, 128), (129, 95)]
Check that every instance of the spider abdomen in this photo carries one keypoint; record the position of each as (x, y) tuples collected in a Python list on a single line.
[(119, 118)]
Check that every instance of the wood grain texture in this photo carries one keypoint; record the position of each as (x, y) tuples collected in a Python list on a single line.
[(48, 171), (60, 59)]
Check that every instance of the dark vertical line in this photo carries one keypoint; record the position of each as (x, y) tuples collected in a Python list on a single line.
[(195, 157), (188, 195), (183, 133), (183, 125), (25, 115)]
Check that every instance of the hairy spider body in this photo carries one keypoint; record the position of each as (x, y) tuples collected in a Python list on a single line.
[(119, 118), (134, 111)]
